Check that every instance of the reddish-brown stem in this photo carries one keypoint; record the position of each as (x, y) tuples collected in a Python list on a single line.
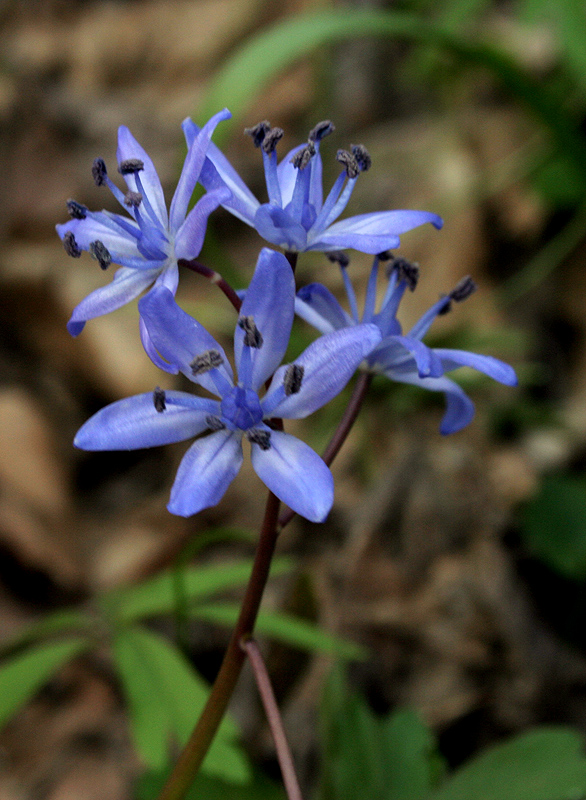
[(271, 708), (195, 266), (341, 432), (196, 748)]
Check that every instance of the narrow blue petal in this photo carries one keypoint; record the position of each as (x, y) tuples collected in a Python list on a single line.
[(270, 300), (318, 306), (90, 229), (328, 364), (129, 148), (296, 474), (190, 236), (206, 470), (287, 175), (493, 367), (127, 284), (372, 233), (179, 338), (403, 353), (217, 171), (192, 167), (134, 423), (276, 226), (151, 350)]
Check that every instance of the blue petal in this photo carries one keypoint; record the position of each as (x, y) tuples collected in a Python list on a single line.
[(134, 422), (276, 226), (206, 470), (190, 236), (179, 338), (372, 233), (460, 409), (493, 367), (402, 352), (270, 300), (127, 284), (129, 148), (287, 175), (328, 364), (89, 230), (191, 170), (318, 306), (296, 474), (217, 171)]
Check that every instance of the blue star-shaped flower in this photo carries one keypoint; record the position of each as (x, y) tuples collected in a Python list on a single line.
[(404, 357), (148, 244), (296, 218), (290, 469)]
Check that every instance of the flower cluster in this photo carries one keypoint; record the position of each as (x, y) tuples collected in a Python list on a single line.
[(252, 401)]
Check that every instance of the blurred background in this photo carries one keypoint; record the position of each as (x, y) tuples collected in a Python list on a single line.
[(458, 563)]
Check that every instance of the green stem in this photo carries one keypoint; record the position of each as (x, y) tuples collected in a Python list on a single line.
[(199, 743)]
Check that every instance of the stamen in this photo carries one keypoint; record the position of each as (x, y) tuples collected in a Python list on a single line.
[(214, 423), (362, 156), (321, 130), (463, 289), (338, 257), (99, 171), (159, 400), (100, 252), (76, 210), (204, 362), (132, 199), (302, 158), (252, 335), (271, 138), (258, 132), (386, 255), (459, 293), (130, 166), (406, 271), (293, 378), (71, 247), (260, 437), (349, 162)]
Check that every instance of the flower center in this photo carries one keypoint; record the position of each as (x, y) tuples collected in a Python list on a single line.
[(241, 408)]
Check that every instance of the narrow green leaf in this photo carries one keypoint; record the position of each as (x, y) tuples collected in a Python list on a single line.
[(149, 787), (410, 758), (263, 57), (23, 675), (544, 764), (165, 698), (284, 628), (68, 620), (158, 595), (554, 524)]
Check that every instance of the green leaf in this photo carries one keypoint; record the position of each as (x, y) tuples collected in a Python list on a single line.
[(23, 675), (554, 524), (68, 620), (165, 698), (158, 595), (392, 758), (284, 628), (544, 764), (263, 57), (260, 788)]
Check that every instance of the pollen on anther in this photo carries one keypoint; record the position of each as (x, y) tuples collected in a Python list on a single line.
[(406, 271), (76, 210), (362, 156), (271, 139), (214, 423), (71, 247), (204, 362), (260, 437), (349, 162), (321, 130), (130, 166), (463, 289), (252, 335), (132, 199), (159, 400), (100, 252), (99, 171), (258, 132), (338, 257), (293, 378), (302, 158)]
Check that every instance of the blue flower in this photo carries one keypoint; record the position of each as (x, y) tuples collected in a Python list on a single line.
[(296, 218), (147, 244), (400, 357), (290, 469)]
